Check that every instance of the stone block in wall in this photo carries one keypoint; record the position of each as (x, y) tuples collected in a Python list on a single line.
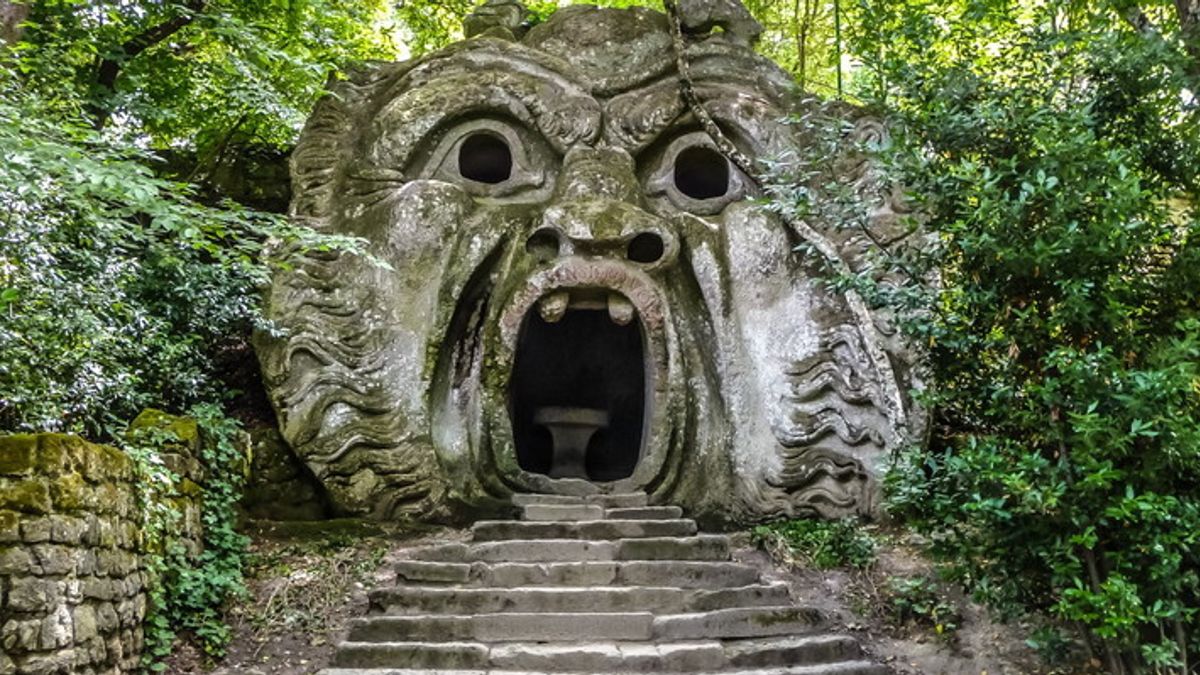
[(31, 595), (181, 454), (20, 455), (19, 635), (67, 529), (15, 561), (26, 496), (57, 630), (10, 527)]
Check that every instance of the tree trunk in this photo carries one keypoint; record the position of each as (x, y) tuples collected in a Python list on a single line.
[(1189, 26), (108, 69), (12, 16)]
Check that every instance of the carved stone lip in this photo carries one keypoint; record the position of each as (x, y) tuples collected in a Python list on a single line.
[(591, 279), (582, 273)]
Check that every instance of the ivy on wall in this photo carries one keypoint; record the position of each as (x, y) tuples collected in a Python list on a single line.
[(192, 470)]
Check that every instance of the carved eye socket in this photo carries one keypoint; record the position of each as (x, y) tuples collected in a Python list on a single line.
[(688, 173), (701, 173), (485, 158), (495, 158)]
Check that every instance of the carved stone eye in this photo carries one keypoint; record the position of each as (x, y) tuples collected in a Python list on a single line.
[(701, 173), (485, 158), (494, 158), (688, 173)]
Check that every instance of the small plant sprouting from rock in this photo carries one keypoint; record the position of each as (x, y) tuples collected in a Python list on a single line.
[(819, 543)]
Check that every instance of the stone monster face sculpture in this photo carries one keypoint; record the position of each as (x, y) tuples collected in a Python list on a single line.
[(569, 289)]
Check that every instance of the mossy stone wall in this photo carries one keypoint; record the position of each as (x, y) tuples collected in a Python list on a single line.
[(72, 574)]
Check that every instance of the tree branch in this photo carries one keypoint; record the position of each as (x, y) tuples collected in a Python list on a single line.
[(1189, 27), (109, 68), (12, 16), (1135, 17)]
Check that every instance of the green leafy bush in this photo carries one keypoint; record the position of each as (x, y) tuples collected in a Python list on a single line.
[(822, 543), (1052, 153), (120, 290)]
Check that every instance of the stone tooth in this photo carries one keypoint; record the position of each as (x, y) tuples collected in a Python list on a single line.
[(553, 306), (620, 309)]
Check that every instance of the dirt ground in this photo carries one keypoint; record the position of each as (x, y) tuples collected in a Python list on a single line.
[(307, 581)]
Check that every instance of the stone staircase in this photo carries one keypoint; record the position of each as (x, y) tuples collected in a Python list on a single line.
[(602, 584)]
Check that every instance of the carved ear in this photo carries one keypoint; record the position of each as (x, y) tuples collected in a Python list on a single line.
[(700, 17), (319, 159)]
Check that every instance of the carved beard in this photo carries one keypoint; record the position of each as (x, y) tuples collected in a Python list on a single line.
[(556, 247)]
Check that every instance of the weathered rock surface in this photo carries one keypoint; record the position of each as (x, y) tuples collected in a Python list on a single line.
[(563, 244), (279, 486), (462, 609)]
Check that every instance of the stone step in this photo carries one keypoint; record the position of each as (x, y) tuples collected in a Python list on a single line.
[(543, 550), (539, 512), (683, 574), (424, 571), (582, 512), (611, 501), (737, 622), (435, 655), (645, 513), (843, 668), (587, 656), (604, 657), (713, 574), (697, 547), (791, 650), (564, 657), (508, 626), (525, 599), (593, 584), (501, 530), (442, 553)]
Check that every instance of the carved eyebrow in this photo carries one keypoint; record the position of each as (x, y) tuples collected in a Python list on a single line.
[(737, 90), (483, 80), (637, 119)]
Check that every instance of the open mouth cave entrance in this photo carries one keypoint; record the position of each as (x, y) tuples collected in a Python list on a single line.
[(578, 389)]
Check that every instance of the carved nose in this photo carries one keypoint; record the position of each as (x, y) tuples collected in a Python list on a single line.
[(597, 213), (598, 173), (602, 228)]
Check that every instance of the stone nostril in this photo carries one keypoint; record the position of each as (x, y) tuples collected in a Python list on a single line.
[(646, 247), (543, 245)]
